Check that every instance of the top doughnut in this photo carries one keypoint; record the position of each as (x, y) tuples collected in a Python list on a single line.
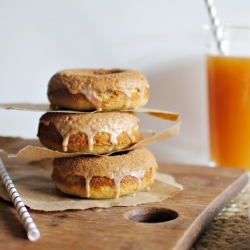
[(98, 89)]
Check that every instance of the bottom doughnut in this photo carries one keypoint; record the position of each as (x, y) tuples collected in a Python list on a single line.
[(104, 177)]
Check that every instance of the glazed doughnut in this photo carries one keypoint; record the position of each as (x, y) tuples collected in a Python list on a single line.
[(98, 89), (95, 133), (106, 176)]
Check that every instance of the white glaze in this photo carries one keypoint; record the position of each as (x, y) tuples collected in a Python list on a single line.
[(113, 123), (90, 83), (112, 167)]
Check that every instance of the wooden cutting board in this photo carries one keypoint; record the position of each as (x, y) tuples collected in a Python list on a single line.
[(172, 224)]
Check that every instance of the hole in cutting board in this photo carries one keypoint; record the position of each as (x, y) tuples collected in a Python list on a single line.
[(151, 215)]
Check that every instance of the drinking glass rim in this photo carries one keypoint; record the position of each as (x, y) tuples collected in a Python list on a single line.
[(228, 27)]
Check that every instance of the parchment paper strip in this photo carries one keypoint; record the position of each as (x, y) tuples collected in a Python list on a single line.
[(37, 151), (166, 115)]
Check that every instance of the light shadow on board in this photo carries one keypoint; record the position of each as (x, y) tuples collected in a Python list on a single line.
[(180, 86)]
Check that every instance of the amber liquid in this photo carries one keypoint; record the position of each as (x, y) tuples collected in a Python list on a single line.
[(229, 110)]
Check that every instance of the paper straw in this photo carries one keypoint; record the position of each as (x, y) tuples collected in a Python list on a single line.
[(215, 21), (249, 214), (33, 233)]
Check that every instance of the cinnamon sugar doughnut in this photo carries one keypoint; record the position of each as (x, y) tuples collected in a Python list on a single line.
[(106, 176), (98, 89), (96, 133)]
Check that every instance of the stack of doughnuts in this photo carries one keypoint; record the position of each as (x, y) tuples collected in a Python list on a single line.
[(103, 127)]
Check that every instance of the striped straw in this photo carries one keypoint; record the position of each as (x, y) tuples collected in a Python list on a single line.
[(217, 33), (33, 233)]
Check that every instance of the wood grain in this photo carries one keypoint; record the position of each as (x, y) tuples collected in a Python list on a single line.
[(206, 192)]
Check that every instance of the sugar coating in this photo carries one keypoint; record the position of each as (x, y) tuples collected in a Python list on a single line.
[(113, 123), (134, 163), (92, 82)]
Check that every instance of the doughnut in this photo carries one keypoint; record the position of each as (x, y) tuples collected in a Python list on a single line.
[(95, 133), (104, 177), (98, 89)]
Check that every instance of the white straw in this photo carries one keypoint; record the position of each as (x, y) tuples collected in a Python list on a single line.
[(215, 21), (33, 233)]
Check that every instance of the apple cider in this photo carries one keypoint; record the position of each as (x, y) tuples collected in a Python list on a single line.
[(229, 110)]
